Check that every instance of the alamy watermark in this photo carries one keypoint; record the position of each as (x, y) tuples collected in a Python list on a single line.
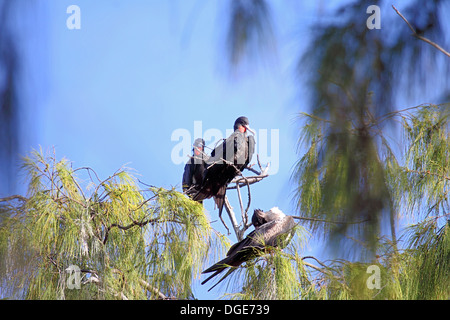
[(374, 280), (74, 279), (374, 20), (74, 20), (267, 144)]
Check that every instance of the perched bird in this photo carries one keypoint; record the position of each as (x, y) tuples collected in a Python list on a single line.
[(226, 162), (272, 228), (194, 169)]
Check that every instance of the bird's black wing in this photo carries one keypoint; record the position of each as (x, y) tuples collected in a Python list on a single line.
[(219, 172), (251, 148), (187, 176), (266, 234), (240, 252), (240, 149), (224, 151), (237, 252), (244, 148), (194, 172)]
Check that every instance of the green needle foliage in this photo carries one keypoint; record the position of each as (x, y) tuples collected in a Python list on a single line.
[(151, 243), (429, 261), (128, 243), (414, 265), (341, 180)]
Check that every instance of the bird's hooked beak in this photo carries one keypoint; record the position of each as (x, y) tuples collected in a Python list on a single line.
[(248, 128)]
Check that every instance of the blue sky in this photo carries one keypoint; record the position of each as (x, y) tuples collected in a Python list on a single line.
[(120, 86), (125, 81)]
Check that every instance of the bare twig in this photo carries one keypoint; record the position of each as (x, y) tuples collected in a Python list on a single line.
[(14, 197), (418, 36), (232, 216), (146, 184), (317, 260), (89, 172), (150, 288), (249, 201), (253, 179), (225, 225), (253, 170), (399, 112), (266, 168), (240, 202), (316, 268), (427, 172), (240, 181), (246, 180), (133, 224)]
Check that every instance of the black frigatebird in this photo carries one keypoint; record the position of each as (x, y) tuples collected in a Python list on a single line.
[(226, 162), (194, 169), (272, 228)]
